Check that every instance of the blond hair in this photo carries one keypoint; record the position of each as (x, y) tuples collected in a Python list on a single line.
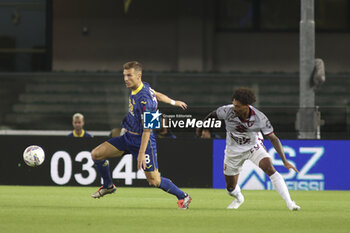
[(78, 116)]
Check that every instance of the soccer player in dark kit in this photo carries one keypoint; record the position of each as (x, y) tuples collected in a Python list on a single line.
[(137, 140)]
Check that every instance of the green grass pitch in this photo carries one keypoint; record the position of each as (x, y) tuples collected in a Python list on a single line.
[(71, 209)]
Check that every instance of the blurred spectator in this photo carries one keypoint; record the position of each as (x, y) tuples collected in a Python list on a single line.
[(206, 133), (163, 132), (78, 125)]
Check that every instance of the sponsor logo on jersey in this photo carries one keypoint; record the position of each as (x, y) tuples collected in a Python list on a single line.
[(241, 128)]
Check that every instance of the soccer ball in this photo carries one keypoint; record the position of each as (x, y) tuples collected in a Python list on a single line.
[(33, 156)]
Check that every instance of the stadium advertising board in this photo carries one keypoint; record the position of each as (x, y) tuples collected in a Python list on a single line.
[(322, 165), (68, 162)]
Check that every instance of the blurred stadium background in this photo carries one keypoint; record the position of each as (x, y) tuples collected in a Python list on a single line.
[(61, 57)]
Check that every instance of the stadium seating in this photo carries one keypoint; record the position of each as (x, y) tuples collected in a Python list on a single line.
[(48, 100)]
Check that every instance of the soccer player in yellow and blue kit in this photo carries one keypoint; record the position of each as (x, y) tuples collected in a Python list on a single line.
[(137, 140)]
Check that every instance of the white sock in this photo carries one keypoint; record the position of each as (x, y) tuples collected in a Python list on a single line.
[(236, 192), (280, 186)]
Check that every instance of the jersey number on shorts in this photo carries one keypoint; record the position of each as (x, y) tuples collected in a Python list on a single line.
[(147, 159)]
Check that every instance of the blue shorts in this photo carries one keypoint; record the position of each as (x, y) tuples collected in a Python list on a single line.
[(131, 143)]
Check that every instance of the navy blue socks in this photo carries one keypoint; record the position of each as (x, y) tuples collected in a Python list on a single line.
[(102, 166), (171, 188)]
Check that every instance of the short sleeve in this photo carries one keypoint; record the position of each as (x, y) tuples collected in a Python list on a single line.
[(266, 127), (223, 111), (147, 105)]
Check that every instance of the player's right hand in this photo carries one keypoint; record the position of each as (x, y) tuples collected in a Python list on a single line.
[(181, 104), (290, 166), (141, 161)]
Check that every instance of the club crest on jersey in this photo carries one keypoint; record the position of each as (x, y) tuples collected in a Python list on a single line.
[(240, 140)]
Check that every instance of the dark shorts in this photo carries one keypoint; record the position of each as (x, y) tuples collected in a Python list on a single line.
[(130, 143)]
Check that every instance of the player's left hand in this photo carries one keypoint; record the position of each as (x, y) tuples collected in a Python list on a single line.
[(181, 104), (141, 161), (290, 166)]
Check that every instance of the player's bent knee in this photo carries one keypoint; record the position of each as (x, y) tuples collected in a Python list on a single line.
[(267, 166), (269, 169), (153, 182), (96, 155)]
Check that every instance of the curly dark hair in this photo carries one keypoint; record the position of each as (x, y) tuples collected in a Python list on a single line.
[(244, 95)]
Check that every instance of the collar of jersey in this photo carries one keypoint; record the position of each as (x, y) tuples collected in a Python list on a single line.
[(251, 115), (134, 92), (79, 136)]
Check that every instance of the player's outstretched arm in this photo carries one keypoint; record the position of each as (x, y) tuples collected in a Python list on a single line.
[(278, 147), (165, 99)]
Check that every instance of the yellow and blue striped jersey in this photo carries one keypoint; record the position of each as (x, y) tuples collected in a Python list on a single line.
[(141, 100)]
